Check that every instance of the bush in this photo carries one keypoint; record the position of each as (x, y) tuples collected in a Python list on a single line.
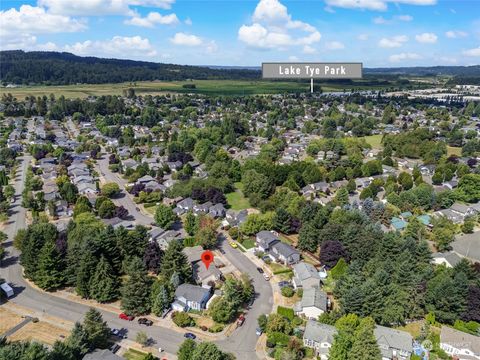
[(339, 270), (286, 312), (189, 242), (182, 319), (216, 328), (300, 292), (287, 291), (278, 338), (297, 321)]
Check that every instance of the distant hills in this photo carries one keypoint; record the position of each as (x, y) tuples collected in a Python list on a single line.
[(61, 68)]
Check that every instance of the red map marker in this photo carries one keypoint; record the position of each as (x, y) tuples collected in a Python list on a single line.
[(207, 258)]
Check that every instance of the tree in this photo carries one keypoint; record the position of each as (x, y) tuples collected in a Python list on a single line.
[(84, 274), (345, 337), (135, 292), (50, 274), (282, 221), (365, 344), (96, 329), (175, 261), (68, 192), (331, 251), (164, 216), (308, 237), (182, 319), (142, 338), (161, 300), (262, 322), (186, 349), (405, 179), (208, 350), (104, 283), (256, 183), (221, 310), (341, 196), (110, 190), (468, 189), (9, 191), (191, 223), (78, 341), (107, 209), (152, 257)]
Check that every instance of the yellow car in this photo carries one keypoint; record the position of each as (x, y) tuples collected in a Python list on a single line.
[(233, 244)]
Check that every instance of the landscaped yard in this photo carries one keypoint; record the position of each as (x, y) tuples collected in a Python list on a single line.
[(275, 267), (150, 209), (236, 199)]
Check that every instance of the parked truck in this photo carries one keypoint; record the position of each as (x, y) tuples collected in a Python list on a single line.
[(7, 289)]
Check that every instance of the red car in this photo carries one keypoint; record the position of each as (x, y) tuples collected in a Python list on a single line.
[(241, 320), (126, 317)]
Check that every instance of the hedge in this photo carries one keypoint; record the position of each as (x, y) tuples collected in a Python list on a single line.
[(283, 271), (286, 312)]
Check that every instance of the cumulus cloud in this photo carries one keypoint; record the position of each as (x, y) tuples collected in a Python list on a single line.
[(404, 56), (454, 34), (29, 20), (472, 52), (118, 46), (379, 5), (393, 42), (186, 39), (100, 7), (153, 18), (274, 28), (334, 45), (426, 38)]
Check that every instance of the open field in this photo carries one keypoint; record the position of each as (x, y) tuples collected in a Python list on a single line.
[(8, 319), (210, 87), (41, 331), (374, 140)]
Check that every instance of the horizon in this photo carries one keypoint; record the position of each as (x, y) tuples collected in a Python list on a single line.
[(378, 33)]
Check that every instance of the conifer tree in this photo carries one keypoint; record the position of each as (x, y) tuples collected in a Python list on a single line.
[(104, 284), (365, 345), (136, 290), (50, 274), (174, 260), (85, 273), (96, 329)]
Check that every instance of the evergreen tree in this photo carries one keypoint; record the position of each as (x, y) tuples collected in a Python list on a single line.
[(61, 351), (96, 329), (281, 221), (191, 223), (107, 242), (341, 196), (365, 345), (308, 237), (78, 341), (174, 260), (85, 273), (50, 274), (186, 349), (104, 283), (135, 292), (161, 300)]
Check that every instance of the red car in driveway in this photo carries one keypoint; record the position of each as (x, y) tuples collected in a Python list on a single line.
[(126, 317)]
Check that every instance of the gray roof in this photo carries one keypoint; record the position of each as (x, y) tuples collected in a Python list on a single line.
[(451, 257), (305, 271), (314, 297), (468, 246), (320, 333), (284, 249), (393, 339), (102, 355), (460, 208), (156, 232), (266, 236), (191, 292), (460, 340)]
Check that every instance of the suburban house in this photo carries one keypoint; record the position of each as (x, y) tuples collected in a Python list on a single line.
[(305, 276), (104, 354), (459, 345), (467, 246), (270, 244), (201, 274), (165, 238), (234, 218), (393, 344), (319, 337), (188, 296), (313, 304), (449, 259)]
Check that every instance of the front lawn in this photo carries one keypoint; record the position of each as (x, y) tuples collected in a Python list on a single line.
[(133, 354), (248, 243), (150, 208)]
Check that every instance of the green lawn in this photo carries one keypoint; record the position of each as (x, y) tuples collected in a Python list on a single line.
[(374, 140), (133, 354), (236, 199), (150, 209), (248, 243), (451, 150)]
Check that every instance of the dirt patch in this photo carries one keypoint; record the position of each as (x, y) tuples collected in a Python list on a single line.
[(204, 321), (41, 331), (8, 319)]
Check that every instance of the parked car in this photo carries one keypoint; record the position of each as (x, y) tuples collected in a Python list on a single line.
[(124, 316), (115, 332), (251, 301), (258, 331), (145, 321), (266, 277), (189, 335), (241, 320), (283, 284), (260, 270), (221, 251), (233, 244)]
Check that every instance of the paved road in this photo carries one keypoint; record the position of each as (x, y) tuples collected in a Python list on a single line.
[(241, 343), (124, 198)]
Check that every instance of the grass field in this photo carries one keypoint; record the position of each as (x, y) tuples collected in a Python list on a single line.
[(132, 354), (451, 150), (211, 87), (41, 331), (374, 140), (236, 199)]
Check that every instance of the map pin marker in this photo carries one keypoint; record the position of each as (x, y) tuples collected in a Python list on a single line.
[(207, 258)]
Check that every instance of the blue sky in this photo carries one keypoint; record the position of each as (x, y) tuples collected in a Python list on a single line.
[(379, 33)]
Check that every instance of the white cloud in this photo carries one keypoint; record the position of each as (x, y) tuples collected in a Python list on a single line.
[(454, 34), (334, 45), (379, 5), (211, 47), (274, 28), (362, 37), (379, 20), (426, 38), (186, 39), (393, 42), (153, 18), (30, 20), (405, 18), (118, 46), (100, 7), (404, 56), (307, 49), (472, 52), (188, 21)]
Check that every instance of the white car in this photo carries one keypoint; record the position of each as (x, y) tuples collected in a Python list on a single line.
[(266, 277)]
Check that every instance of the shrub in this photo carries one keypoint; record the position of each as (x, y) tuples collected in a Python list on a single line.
[(300, 292), (285, 312), (216, 328), (189, 242), (278, 338), (297, 321), (182, 319), (339, 270), (287, 291)]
